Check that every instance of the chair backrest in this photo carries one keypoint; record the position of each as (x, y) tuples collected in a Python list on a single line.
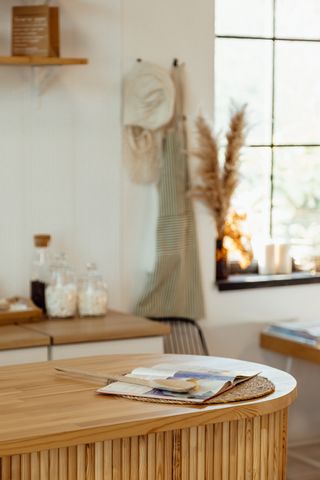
[(186, 337)]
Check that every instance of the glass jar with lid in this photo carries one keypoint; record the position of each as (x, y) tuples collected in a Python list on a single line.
[(93, 293), (61, 291)]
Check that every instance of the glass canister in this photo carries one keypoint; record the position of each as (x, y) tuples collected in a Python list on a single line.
[(40, 269), (61, 291), (93, 293)]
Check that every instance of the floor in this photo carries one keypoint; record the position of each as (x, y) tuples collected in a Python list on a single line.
[(304, 462)]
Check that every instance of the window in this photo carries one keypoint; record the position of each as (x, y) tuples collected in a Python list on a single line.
[(267, 55)]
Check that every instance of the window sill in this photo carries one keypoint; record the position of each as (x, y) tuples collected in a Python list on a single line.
[(243, 281)]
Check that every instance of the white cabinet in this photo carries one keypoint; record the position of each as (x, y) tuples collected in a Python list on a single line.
[(85, 349), (23, 355), (89, 349), (80, 337)]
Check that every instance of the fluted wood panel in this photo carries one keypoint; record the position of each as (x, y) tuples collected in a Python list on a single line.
[(247, 449)]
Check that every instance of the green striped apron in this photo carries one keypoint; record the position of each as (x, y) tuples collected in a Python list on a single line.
[(174, 287)]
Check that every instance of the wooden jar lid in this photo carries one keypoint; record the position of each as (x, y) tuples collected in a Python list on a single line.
[(41, 240)]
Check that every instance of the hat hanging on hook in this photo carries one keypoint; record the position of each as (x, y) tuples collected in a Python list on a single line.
[(149, 96)]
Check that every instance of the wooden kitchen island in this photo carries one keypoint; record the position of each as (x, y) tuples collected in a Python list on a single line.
[(57, 428)]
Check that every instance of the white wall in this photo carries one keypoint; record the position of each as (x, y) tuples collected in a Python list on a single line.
[(61, 170), (160, 31), (60, 153)]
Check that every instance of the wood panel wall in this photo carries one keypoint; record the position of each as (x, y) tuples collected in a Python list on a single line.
[(247, 449)]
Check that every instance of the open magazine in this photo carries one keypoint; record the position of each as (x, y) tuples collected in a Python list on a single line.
[(305, 332), (209, 383)]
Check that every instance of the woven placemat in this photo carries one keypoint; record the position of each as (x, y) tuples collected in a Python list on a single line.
[(256, 387)]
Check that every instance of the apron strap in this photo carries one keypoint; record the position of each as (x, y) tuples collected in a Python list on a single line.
[(177, 74)]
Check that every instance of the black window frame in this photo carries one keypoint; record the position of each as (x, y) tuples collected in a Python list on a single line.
[(273, 38), (239, 282)]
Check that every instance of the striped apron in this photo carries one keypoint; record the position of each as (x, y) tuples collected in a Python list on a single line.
[(174, 287)]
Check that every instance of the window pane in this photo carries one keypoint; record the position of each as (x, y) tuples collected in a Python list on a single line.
[(296, 204), (243, 75), (298, 18), (244, 17), (297, 94), (253, 193)]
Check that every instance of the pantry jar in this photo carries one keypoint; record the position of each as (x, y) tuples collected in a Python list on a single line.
[(93, 293), (40, 270), (61, 291)]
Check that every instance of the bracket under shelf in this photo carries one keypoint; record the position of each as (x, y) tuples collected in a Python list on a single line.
[(42, 67)]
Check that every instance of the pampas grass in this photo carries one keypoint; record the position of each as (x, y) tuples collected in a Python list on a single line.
[(216, 185)]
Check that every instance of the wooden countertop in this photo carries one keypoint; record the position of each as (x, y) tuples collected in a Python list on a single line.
[(40, 410), (114, 326), (14, 336)]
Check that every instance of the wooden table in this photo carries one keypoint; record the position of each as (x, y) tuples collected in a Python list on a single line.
[(58, 428), (290, 347), (310, 353)]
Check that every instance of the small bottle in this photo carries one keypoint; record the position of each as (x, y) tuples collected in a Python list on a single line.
[(40, 270), (93, 294), (61, 291)]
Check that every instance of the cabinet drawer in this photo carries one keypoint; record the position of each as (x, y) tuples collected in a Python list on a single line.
[(89, 349)]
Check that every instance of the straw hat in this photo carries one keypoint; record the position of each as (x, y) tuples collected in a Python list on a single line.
[(149, 96)]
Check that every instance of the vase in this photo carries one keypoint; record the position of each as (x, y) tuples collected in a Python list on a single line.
[(222, 270)]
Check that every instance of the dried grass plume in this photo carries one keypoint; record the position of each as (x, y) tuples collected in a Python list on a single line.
[(216, 185)]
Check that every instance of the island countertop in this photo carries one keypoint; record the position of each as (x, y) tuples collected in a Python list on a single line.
[(40, 410)]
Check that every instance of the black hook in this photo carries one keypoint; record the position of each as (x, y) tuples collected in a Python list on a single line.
[(139, 60), (175, 62)]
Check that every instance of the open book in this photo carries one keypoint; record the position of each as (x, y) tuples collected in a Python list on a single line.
[(209, 383)]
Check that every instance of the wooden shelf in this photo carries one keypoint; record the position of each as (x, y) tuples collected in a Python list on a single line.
[(44, 61)]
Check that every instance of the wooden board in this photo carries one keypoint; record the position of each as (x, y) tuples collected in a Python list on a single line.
[(38, 61), (11, 317), (40, 410), (291, 348), (30, 30), (114, 326), (54, 28), (14, 336), (35, 31)]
